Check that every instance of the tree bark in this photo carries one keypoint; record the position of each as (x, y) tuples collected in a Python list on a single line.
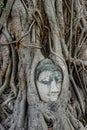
[(32, 31)]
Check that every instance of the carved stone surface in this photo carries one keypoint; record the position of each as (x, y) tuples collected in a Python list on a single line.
[(49, 78)]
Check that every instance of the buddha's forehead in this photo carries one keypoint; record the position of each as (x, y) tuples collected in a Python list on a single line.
[(47, 73)]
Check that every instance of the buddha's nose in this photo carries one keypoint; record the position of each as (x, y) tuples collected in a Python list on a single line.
[(53, 87)]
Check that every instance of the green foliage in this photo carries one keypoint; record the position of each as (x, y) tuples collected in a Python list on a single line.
[(2, 5)]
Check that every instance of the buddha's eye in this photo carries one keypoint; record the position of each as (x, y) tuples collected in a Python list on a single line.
[(45, 82), (58, 80)]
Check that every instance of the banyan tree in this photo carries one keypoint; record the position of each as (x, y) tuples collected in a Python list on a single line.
[(43, 65)]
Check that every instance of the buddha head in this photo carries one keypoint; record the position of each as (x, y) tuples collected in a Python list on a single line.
[(48, 79)]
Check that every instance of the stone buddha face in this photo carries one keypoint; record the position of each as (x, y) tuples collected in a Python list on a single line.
[(49, 80)]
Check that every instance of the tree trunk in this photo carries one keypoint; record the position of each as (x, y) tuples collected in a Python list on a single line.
[(43, 44)]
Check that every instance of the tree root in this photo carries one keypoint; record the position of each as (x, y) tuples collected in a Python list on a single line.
[(77, 94), (14, 70), (1, 127), (7, 78), (14, 60), (75, 123), (4, 58)]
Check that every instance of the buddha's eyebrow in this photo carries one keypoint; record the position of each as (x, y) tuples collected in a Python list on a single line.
[(44, 78)]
